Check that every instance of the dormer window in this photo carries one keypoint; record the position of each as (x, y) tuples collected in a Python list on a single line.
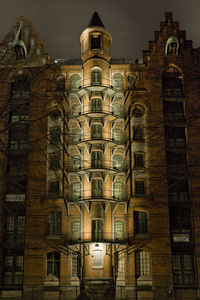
[(96, 42)]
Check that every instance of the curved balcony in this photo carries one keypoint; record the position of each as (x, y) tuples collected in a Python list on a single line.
[(105, 86), (96, 167), (80, 140), (88, 110), (106, 197)]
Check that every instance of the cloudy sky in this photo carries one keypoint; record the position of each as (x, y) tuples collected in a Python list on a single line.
[(131, 23)]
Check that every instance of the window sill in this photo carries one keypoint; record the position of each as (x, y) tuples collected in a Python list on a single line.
[(53, 237)]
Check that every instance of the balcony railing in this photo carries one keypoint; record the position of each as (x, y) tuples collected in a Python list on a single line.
[(105, 137), (107, 196), (15, 197), (89, 110), (71, 167)]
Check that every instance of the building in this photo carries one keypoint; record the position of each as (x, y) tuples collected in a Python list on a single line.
[(99, 168)]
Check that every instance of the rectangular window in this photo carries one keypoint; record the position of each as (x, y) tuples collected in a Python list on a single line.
[(96, 42), (139, 159), (97, 230), (97, 185), (96, 159), (142, 263), (75, 264), (53, 264), (139, 187), (97, 131), (140, 222), (96, 104), (76, 230), (119, 230), (120, 265), (54, 161), (97, 256), (13, 270), (53, 189), (183, 273), (138, 133), (15, 229), (76, 191), (54, 220), (54, 135)]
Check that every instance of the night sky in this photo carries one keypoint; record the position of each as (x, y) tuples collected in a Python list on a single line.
[(131, 23)]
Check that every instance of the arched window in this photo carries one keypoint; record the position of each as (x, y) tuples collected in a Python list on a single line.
[(96, 77), (53, 264), (61, 84), (75, 82), (118, 81), (172, 46)]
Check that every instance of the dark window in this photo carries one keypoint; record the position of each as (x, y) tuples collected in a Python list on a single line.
[(183, 272), (138, 133), (96, 42), (96, 159), (13, 269), (54, 135), (53, 264), (54, 161), (20, 87), (97, 190), (139, 160), (180, 219), (96, 105), (97, 230), (140, 222), (97, 131), (54, 220), (139, 187), (61, 84), (15, 226), (54, 188)]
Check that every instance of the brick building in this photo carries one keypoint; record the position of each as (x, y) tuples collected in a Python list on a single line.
[(99, 168)]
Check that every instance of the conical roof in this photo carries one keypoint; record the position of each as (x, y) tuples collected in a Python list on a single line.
[(95, 21)]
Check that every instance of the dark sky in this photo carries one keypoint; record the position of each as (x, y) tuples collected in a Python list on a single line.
[(131, 23)]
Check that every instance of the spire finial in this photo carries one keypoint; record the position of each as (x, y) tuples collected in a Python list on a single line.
[(95, 21)]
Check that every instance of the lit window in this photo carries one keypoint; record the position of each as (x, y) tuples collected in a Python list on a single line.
[(76, 191), (117, 109), (13, 269), (183, 272), (140, 222), (96, 77), (97, 230), (53, 264), (119, 230), (142, 263), (97, 256), (117, 162), (76, 162), (118, 81), (118, 188), (54, 219), (76, 230), (117, 135)]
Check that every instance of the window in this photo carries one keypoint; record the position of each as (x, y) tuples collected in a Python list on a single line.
[(76, 191), (16, 145), (54, 135), (138, 133), (172, 83), (76, 230), (118, 81), (139, 159), (118, 162), (119, 230), (97, 131), (118, 188), (54, 220), (117, 135), (96, 42), (96, 77), (117, 109), (97, 190), (183, 273), (15, 226), (54, 161), (61, 84), (76, 162), (179, 190), (96, 105), (97, 256), (13, 269), (120, 265), (131, 82), (142, 263), (97, 230), (140, 222), (75, 82), (76, 110), (53, 264), (96, 159), (75, 265), (139, 187), (54, 189), (20, 87), (76, 136), (138, 111), (180, 219)]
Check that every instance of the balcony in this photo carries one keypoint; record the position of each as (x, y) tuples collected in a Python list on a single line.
[(80, 139), (106, 197), (86, 87), (100, 166), (15, 197), (88, 110)]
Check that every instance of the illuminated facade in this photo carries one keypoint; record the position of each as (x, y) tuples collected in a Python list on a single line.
[(100, 173)]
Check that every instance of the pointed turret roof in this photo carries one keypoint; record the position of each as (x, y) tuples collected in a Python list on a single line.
[(95, 21)]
